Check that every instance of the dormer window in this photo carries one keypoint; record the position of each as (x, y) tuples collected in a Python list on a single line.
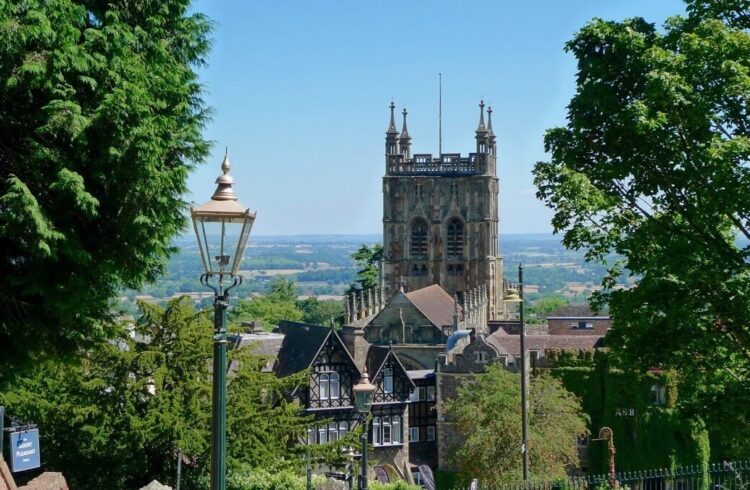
[(388, 380)]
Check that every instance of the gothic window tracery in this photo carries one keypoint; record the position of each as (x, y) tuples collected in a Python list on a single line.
[(418, 248), (455, 239)]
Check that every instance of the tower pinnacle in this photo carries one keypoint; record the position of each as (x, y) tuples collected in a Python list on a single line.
[(481, 128), (392, 126)]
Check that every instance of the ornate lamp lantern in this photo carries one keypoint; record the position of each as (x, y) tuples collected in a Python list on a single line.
[(222, 227), (363, 393)]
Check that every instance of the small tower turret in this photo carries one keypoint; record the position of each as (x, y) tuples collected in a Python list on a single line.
[(404, 140), (483, 138), (391, 135)]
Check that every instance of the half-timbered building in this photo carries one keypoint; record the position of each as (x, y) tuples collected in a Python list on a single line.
[(332, 373)]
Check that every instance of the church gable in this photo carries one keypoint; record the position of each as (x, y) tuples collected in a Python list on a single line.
[(401, 322)]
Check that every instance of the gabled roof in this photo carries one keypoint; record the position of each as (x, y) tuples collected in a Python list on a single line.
[(435, 303), (300, 347), (376, 357)]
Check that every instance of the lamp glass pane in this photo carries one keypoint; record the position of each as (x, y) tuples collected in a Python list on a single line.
[(239, 254), (218, 240)]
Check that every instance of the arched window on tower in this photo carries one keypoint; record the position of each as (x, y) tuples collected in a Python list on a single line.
[(455, 239), (418, 248)]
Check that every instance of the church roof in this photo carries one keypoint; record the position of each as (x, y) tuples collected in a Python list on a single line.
[(435, 303)]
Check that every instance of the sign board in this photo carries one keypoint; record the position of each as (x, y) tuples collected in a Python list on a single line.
[(24, 450)]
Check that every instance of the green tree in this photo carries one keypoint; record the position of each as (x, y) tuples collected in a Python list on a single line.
[(652, 165), (368, 262), (278, 304), (541, 308), (117, 418), (321, 312), (487, 417), (100, 123)]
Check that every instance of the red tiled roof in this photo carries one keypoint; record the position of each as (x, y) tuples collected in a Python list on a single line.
[(434, 303), (511, 344)]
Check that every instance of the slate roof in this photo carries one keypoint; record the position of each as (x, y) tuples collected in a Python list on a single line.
[(375, 358), (576, 311), (301, 344), (262, 344), (435, 303), (511, 344)]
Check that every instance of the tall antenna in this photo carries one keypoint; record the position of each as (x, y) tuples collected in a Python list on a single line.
[(440, 116)]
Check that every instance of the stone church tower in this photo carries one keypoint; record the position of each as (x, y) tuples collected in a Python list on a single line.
[(440, 221)]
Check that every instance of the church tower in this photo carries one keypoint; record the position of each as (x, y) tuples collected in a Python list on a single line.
[(440, 221)]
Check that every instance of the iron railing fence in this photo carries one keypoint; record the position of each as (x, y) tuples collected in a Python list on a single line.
[(717, 476)]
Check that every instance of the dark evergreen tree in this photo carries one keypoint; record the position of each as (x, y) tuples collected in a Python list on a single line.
[(100, 124)]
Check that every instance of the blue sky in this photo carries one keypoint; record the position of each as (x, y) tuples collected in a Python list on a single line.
[(300, 91)]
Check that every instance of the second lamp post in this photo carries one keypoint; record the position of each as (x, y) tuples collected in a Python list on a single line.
[(363, 392)]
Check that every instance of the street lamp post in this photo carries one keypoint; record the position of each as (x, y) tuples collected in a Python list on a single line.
[(363, 392), (516, 296), (222, 227)]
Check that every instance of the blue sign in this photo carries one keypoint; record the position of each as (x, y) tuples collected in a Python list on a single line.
[(24, 450)]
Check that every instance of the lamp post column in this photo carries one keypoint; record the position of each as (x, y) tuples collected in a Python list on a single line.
[(364, 485), (524, 382), (219, 400)]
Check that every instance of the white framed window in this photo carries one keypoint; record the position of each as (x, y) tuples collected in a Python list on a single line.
[(322, 434), (658, 394), (430, 393), (343, 429), (388, 380), (335, 386), (431, 433), (414, 395), (504, 360), (585, 325), (376, 431), (413, 434), (324, 387), (422, 393), (480, 356), (310, 436), (333, 432), (386, 430)]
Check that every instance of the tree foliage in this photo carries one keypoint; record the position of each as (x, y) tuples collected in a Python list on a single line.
[(120, 416), (278, 304), (653, 166), (487, 416), (100, 123), (320, 312), (368, 262), (116, 418)]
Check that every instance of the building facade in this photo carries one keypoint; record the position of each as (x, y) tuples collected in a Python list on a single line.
[(440, 217)]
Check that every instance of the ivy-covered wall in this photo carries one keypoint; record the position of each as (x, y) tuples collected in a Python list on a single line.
[(647, 435)]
